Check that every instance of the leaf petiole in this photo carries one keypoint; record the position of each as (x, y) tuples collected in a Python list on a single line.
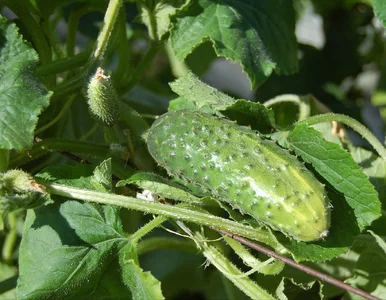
[(354, 124)]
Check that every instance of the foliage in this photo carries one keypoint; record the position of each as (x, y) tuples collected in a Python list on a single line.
[(87, 212)]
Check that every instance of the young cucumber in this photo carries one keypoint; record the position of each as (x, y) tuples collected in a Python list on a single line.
[(253, 175)]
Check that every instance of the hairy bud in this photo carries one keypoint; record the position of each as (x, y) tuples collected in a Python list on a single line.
[(103, 98)]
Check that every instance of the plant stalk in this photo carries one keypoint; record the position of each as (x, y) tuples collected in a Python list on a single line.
[(354, 124), (175, 212), (105, 33)]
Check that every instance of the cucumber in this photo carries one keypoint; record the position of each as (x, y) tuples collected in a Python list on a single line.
[(103, 99), (237, 166)]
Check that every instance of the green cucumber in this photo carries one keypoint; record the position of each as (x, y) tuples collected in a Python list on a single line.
[(253, 175), (103, 99)]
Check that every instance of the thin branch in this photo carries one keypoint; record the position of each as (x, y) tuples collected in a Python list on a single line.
[(303, 268)]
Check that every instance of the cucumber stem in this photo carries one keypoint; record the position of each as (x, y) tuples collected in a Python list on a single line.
[(354, 124), (107, 28), (180, 213)]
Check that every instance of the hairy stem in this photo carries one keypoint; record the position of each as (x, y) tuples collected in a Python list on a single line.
[(145, 229), (107, 28), (180, 213), (354, 124), (268, 267), (76, 82), (152, 25)]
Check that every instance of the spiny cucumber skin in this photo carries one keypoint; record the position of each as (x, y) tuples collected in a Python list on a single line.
[(103, 99), (253, 175)]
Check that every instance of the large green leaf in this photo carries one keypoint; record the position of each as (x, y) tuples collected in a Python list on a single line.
[(71, 250), (66, 246), (339, 168), (258, 34), (22, 94)]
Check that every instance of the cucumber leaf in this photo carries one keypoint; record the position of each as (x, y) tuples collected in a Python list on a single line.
[(200, 94), (23, 95), (101, 179), (66, 250), (204, 97), (339, 168), (258, 34), (74, 250), (143, 285)]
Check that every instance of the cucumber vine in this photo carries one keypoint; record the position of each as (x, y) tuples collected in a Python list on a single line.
[(86, 84)]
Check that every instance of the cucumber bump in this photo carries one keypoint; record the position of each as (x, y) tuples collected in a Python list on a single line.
[(253, 175)]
